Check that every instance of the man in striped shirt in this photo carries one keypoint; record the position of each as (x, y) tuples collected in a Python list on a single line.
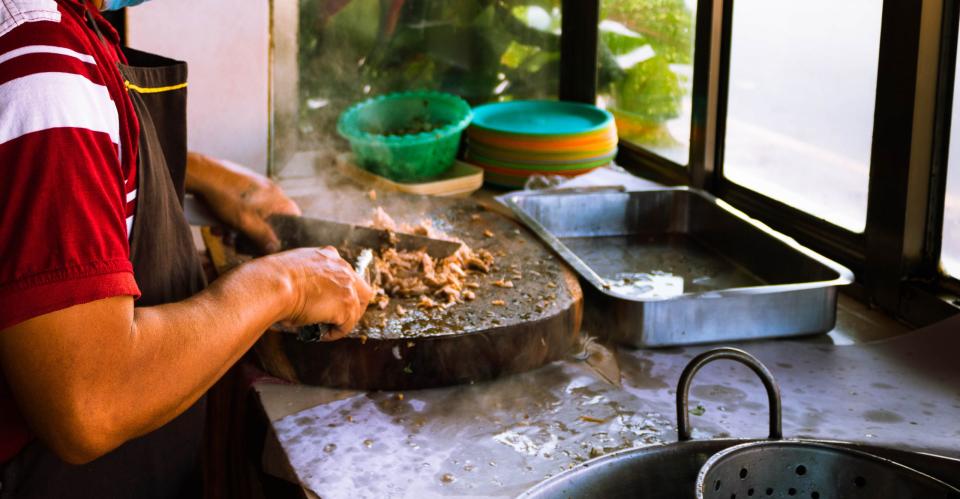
[(82, 370)]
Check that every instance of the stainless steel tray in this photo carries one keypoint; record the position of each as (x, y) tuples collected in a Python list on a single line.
[(677, 266)]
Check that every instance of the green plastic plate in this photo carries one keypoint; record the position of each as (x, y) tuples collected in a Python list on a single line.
[(541, 118)]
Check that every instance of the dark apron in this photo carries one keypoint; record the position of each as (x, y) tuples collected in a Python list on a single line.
[(166, 462)]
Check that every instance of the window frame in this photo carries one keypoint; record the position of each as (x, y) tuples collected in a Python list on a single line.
[(896, 258)]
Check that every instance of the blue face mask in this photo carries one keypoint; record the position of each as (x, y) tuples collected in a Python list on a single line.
[(119, 4)]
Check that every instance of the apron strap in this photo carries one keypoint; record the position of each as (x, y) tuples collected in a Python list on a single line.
[(93, 23)]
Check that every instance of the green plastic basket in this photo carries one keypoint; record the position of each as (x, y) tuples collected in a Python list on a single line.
[(373, 128)]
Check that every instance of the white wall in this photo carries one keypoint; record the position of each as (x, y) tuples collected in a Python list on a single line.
[(226, 43)]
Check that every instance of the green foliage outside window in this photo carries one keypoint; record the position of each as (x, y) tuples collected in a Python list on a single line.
[(640, 42)]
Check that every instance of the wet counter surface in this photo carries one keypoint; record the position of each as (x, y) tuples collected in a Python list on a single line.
[(498, 438)]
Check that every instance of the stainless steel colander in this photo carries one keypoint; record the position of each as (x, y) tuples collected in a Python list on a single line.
[(795, 469), (778, 468)]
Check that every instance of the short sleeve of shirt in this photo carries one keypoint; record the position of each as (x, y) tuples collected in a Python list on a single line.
[(63, 198)]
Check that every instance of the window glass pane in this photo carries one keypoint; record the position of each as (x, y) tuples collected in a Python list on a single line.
[(344, 51), (801, 101), (951, 222), (950, 253), (646, 72)]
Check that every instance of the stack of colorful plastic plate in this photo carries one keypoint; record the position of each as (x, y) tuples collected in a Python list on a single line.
[(513, 141)]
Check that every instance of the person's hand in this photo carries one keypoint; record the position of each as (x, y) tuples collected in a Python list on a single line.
[(326, 290), (239, 197)]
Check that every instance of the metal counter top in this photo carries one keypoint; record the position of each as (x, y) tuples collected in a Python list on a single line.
[(496, 439)]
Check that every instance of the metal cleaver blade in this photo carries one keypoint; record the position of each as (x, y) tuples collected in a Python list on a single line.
[(298, 232)]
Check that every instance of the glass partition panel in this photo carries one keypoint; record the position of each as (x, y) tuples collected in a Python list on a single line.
[(329, 54)]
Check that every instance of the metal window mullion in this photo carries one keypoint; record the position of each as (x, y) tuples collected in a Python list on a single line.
[(706, 81), (725, 22), (898, 176), (578, 50)]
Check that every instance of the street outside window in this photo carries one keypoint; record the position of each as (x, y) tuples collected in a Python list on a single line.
[(801, 103)]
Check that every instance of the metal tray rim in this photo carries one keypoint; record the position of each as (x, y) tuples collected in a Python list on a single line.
[(844, 275)]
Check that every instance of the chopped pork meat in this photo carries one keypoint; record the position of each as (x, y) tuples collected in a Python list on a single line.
[(439, 283)]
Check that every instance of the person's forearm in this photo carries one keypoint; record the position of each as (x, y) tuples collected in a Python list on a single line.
[(212, 178), (198, 339), (239, 197), (93, 376)]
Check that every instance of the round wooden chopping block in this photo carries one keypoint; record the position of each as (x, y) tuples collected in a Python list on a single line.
[(504, 330), (406, 364)]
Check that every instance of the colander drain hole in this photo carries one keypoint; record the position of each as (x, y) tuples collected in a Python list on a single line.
[(801, 470), (743, 473), (791, 491), (860, 482), (769, 491)]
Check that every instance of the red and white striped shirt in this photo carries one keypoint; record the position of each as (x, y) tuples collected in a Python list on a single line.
[(68, 151)]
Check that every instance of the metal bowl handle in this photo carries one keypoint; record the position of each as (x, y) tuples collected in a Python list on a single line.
[(683, 388)]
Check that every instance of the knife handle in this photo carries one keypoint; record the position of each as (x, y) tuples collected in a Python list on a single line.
[(313, 332)]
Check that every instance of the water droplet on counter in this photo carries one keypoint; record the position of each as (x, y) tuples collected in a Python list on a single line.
[(368, 443), (469, 467), (329, 448), (447, 478)]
